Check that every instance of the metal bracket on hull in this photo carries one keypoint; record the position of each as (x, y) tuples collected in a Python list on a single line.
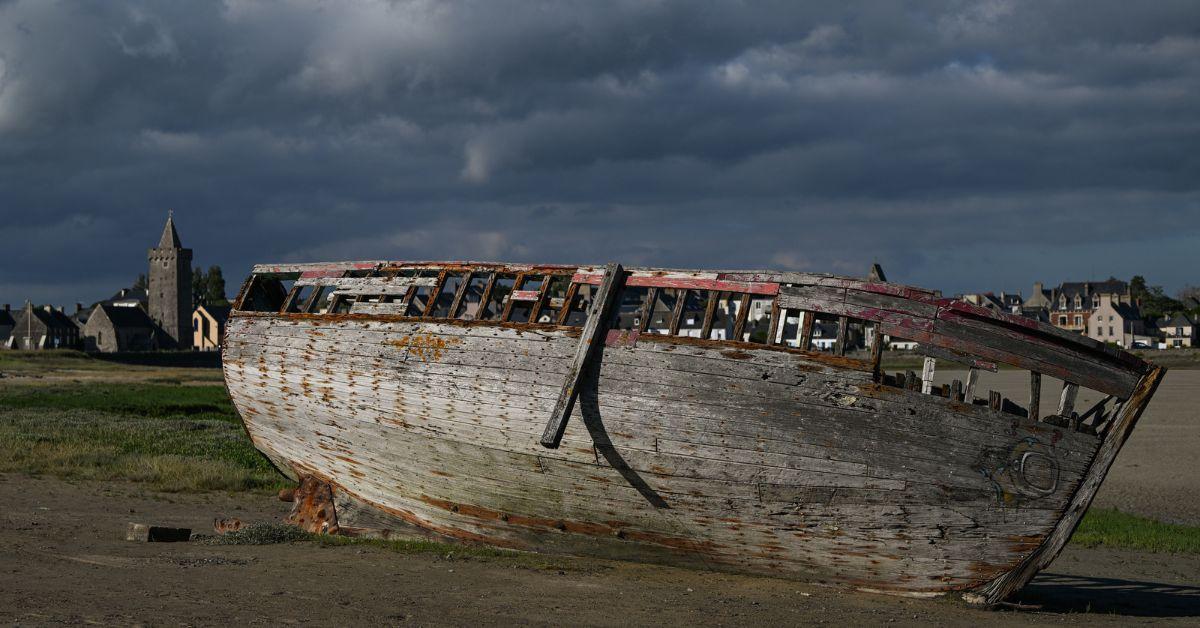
[(589, 340), (312, 507)]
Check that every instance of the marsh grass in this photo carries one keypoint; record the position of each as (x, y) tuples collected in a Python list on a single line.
[(1113, 528), (173, 438)]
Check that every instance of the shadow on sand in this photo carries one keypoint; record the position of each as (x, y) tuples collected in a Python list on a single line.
[(1057, 593)]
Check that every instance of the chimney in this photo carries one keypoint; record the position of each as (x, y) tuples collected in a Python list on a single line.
[(7, 307), (60, 310), (48, 308), (78, 306)]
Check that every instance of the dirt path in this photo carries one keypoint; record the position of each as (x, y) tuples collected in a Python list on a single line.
[(63, 560)]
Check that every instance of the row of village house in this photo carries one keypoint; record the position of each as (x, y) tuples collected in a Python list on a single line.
[(1102, 310), (117, 324)]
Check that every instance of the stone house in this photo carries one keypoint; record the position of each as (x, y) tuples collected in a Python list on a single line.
[(1179, 331), (1115, 321), (6, 325), (208, 323), (44, 327), (1073, 303), (111, 328)]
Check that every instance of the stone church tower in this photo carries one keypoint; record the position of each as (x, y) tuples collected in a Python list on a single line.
[(169, 287)]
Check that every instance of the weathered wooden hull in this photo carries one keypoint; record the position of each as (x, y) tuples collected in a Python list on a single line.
[(678, 451)]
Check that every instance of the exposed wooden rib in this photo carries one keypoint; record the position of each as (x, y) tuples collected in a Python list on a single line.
[(927, 372), (646, 311), (1066, 403), (839, 344), (460, 294), (677, 312), (710, 311), (739, 324), (509, 300), (876, 351), (588, 344), (434, 295), (806, 329), (773, 332), (486, 297), (972, 381), (1035, 395), (568, 303)]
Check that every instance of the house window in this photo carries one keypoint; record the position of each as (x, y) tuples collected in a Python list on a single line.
[(1110, 330), (1078, 302), (1062, 320), (1178, 331), (1078, 320)]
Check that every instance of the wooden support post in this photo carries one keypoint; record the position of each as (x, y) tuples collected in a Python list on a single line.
[(839, 345), (1066, 403), (677, 313), (911, 381), (568, 302), (969, 391), (901, 381), (927, 371), (431, 304), (1035, 395), (646, 312), (739, 323), (776, 312), (459, 295), (806, 329), (956, 390), (710, 311), (481, 313), (589, 341), (994, 400), (876, 352), (508, 304), (543, 290)]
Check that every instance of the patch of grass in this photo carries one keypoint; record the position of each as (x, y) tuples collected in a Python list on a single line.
[(1113, 528), (262, 534), (150, 401), (173, 438)]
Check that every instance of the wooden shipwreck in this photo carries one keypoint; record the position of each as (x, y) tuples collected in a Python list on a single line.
[(680, 417)]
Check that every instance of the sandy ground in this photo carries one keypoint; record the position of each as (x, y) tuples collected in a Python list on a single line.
[(63, 560), (1155, 474)]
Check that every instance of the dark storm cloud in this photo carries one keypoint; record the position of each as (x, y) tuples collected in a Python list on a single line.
[(966, 145)]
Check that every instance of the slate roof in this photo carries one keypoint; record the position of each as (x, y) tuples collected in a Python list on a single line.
[(127, 316), (219, 312), (170, 237), (6, 318), (53, 318), (1087, 288), (1179, 320)]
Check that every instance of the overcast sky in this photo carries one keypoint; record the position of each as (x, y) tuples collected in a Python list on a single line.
[(966, 146)]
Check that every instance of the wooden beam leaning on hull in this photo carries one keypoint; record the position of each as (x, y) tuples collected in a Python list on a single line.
[(589, 340)]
